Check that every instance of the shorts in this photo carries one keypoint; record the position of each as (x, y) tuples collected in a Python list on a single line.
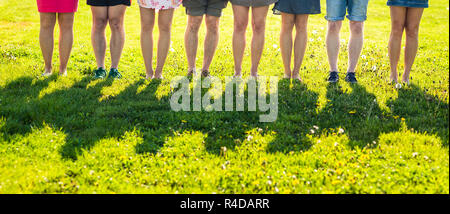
[(202, 7), (337, 9), (408, 3), (106, 3), (253, 3), (297, 7)]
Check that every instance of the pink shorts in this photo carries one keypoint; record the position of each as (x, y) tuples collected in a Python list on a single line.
[(57, 6)]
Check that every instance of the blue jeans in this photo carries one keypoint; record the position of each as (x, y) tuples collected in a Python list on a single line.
[(337, 9)]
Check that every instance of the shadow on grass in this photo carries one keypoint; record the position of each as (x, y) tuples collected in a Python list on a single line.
[(79, 112)]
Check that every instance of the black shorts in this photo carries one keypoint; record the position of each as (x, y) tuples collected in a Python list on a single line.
[(106, 3)]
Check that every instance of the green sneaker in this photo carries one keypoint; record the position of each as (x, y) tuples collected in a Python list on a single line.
[(114, 73), (100, 73)]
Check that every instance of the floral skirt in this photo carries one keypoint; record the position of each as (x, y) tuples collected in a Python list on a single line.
[(160, 4)]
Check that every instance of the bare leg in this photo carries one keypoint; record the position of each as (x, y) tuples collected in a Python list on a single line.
[(191, 40), (98, 37), (165, 26), (398, 17), (65, 21), (301, 40), (241, 14), (259, 15), (46, 40), (147, 24), (287, 25), (116, 17), (211, 40), (355, 44), (333, 43), (413, 17)]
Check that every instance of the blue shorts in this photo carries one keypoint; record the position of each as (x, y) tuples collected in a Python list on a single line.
[(408, 3), (356, 9)]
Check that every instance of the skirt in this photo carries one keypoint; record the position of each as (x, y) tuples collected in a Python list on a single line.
[(408, 3), (253, 3), (160, 4), (297, 7), (57, 6)]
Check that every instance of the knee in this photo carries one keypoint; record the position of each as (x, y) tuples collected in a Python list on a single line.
[(48, 23), (259, 27), (356, 28), (412, 31), (397, 29), (240, 26), (334, 27), (194, 25), (147, 27), (100, 23), (116, 24), (165, 28), (212, 26)]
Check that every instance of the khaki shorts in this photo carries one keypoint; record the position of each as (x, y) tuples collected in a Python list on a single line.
[(202, 7)]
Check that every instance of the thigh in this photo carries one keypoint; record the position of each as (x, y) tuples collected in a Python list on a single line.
[(413, 17), (357, 10), (66, 19), (116, 12), (301, 20), (47, 19), (165, 18), (147, 16), (99, 12), (287, 21), (240, 13), (259, 14), (398, 16)]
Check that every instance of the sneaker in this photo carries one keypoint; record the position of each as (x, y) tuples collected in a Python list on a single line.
[(333, 77), (351, 78), (100, 73), (114, 73)]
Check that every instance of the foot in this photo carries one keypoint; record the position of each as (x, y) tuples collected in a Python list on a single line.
[(405, 80), (205, 73), (63, 73), (351, 77), (148, 75), (255, 75), (393, 78), (297, 77), (237, 74), (158, 76), (333, 77), (191, 73), (47, 72), (114, 73), (287, 76), (100, 73)]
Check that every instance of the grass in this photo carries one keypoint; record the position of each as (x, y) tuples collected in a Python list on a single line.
[(78, 135)]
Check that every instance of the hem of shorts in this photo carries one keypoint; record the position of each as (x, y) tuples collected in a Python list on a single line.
[(160, 8), (110, 5), (334, 19), (407, 5), (278, 12), (357, 18), (52, 11)]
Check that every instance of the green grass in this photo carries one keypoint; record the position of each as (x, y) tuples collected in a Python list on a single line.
[(78, 135)]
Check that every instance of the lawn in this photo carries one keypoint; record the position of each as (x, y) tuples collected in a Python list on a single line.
[(79, 135)]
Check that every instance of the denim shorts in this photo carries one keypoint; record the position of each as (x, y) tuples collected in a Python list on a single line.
[(356, 9), (408, 3)]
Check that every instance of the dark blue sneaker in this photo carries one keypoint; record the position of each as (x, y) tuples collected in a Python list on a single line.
[(100, 73), (350, 77), (114, 73), (333, 77)]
